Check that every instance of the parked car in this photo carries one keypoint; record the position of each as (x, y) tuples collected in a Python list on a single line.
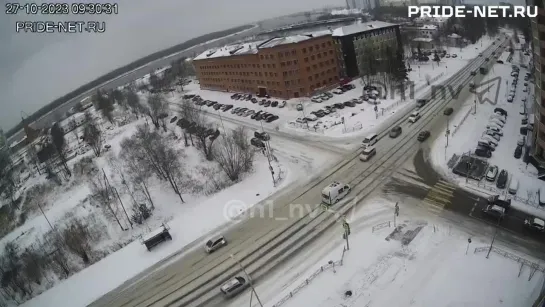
[(395, 132), (267, 104), (423, 135), (257, 143), (518, 152), (272, 118), (248, 113), (235, 110), (521, 141), (282, 104), (214, 244), (339, 105), (217, 106), (502, 179), (492, 173), (483, 152), (448, 111), (227, 107), (274, 104), (349, 104), (211, 103)]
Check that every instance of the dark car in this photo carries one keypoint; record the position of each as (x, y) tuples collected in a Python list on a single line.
[(501, 111), (339, 105), (448, 111), (211, 103), (483, 152), (234, 96), (256, 114), (257, 143), (267, 104), (395, 132), (320, 113), (235, 110), (272, 118), (227, 107), (494, 211), (217, 106), (500, 200), (473, 73), (502, 179), (423, 135), (274, 104), (262, 102), (349, 104), (518, 152), (253, 100)]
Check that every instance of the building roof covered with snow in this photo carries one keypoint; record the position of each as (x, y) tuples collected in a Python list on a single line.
[(429, 27), (361, 27), (423, 39)]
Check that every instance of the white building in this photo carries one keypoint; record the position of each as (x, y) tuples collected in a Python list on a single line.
[(428, 31), (72, 122)]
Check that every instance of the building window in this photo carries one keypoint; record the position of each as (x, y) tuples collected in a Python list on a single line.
[(309, 78), (315, 66), (319, 55), (280, 54), (294, 62), (293, 52), (312, 58), (323, 45), (287, 53), (306, 59), (304, 50), (285, 73), (274, 65), (308, 68), (289, 63), (282, 64), (310, 49), (317, 47), (329, 43)]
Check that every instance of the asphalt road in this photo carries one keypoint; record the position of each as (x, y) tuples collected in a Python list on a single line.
[(263, 241)]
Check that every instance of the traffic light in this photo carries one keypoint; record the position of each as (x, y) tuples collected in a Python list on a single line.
[(346, 227)]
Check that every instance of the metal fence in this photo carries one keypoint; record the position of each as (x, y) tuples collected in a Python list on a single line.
[(356, 127), (380, 226), (531, 200), (306, 282), (522, 261)]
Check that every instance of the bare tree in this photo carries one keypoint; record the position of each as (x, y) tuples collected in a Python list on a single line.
[(118, 168), (105, 104), (92, 135), (150, 150), (136, 173), (234, 154), (157, 111), (133, 102), (77, 239), (101, 193), (58, 141), (188, 118), (205, 133), (32, 156), (74, 131)]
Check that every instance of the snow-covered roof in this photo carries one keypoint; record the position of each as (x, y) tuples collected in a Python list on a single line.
[(153, 233), (423, 39), (346, 12), (292, 39), (235, 49), (361, 27), (429, 27)]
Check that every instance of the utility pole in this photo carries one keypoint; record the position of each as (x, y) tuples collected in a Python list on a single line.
[(346, 227), (221, 120), (493, 238), (396, 213), (249, 279), (43, 213), (468, 242), (268, 151), (117, 194)]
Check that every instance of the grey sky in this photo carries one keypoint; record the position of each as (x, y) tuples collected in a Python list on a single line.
[(37, 68)]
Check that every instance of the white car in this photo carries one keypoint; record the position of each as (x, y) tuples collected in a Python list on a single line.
[(337, 91), (510, 99), (414, 117), (492, 173)]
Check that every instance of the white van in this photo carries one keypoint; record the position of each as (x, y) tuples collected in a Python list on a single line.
[(414, 117), (541, 196), (370, 140), (513, 186), (335, 192), (368, 153)]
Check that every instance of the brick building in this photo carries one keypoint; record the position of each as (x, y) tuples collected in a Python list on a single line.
[(284, 67)]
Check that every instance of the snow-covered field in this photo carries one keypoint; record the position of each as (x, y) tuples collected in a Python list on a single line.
[(468, 132), (201, 213), (432, 270)]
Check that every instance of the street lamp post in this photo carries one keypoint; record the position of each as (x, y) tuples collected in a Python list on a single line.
[(269, 153), (249, 279), (494, 237)]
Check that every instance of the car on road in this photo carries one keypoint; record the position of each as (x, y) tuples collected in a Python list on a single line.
[(423, 135), (214, 244), (414, 117), (494, 211), (234, 286), (448, 111), (334, 192), (500, 200), (368, 153), (395, 132), (492, 173), (474, 73), (518, 152), (502, 179), (534, 224)]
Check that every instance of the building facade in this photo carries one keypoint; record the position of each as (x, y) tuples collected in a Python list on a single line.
[(538, 37), (284, 67), (354, 42)]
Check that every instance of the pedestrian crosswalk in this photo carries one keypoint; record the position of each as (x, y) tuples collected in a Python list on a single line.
[(439, 196)]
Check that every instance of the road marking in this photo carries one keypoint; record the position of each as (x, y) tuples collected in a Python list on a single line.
[(439, 196), (473, 209)]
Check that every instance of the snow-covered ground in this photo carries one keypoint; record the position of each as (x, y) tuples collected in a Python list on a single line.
[(359, 120), (199, 215), (432, 270), (467, 134)]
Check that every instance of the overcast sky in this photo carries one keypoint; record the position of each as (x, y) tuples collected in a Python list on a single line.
[(38, 68)]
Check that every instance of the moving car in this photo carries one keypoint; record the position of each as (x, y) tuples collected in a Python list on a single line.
[(500, 200), (423, 135), (368, 153), (534, 224), (494, 211), (214, 244), (234, 286), (334, 192), (492, 173), (502, 179), (414, 117), (395, 132)]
